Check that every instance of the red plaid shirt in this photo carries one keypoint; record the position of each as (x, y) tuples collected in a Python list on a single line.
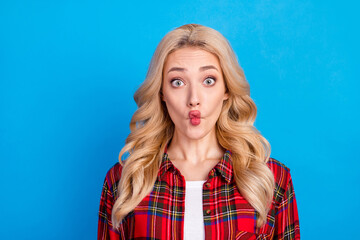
[(227, 214)]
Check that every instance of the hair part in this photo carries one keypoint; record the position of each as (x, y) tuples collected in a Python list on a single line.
[(151, 128)]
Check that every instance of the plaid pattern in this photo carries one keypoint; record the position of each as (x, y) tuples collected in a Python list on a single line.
[(227, 214)]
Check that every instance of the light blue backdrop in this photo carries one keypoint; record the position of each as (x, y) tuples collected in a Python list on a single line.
[(68, 70)]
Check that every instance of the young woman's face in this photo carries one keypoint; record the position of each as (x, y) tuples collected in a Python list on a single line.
[(193, 90)]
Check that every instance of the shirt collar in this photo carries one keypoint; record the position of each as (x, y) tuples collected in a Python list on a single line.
[(224, 167)]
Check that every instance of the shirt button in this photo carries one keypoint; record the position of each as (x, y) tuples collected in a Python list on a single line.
[(208, 185), (208, 212)]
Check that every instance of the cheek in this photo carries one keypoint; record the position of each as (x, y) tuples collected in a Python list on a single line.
[(216, 111), (214, 103), (216, 108), (173, 107)]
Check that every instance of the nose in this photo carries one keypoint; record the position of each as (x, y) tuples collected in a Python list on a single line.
[(193, 99)]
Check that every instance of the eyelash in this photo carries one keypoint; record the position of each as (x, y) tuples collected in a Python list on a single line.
[(175, 79), (211, 77)]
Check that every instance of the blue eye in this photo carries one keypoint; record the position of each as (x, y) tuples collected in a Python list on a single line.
[(209, 81), (177, 83)]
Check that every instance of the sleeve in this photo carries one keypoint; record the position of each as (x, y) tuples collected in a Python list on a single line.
[(286, 218), (105, 227)]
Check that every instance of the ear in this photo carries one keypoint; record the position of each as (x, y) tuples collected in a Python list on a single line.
[(226, 96)]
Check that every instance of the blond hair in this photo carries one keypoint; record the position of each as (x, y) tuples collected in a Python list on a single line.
[(151, 128)]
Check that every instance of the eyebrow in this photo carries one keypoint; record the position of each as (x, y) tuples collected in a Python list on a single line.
[(208, 67), (203, 68)]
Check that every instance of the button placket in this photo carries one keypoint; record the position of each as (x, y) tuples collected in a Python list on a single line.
[(207, 186)]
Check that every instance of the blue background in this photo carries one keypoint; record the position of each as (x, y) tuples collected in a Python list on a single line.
[(68, 70)]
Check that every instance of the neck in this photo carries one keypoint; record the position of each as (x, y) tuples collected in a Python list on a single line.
[(195, 150)]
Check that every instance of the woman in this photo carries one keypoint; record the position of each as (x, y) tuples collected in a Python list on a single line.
[(197, 167)]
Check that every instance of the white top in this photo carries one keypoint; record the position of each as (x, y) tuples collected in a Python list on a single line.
[(194, 218)]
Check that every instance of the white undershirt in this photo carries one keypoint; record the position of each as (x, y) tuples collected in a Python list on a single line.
[(194, 218)]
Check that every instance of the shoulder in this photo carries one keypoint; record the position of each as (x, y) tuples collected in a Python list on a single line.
[(282, 177), (113, 176), (281, 171), (277, 167)]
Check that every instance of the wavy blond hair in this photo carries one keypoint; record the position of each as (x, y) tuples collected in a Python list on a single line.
[(151, 128)]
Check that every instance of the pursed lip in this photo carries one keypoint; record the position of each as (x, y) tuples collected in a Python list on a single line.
[(194, 114)]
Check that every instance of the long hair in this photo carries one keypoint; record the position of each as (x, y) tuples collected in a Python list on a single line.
[(151, 128)]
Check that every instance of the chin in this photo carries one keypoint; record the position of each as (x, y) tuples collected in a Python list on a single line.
[(196, 134)]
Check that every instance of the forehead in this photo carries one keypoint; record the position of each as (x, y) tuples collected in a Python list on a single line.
[(190, 57)]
